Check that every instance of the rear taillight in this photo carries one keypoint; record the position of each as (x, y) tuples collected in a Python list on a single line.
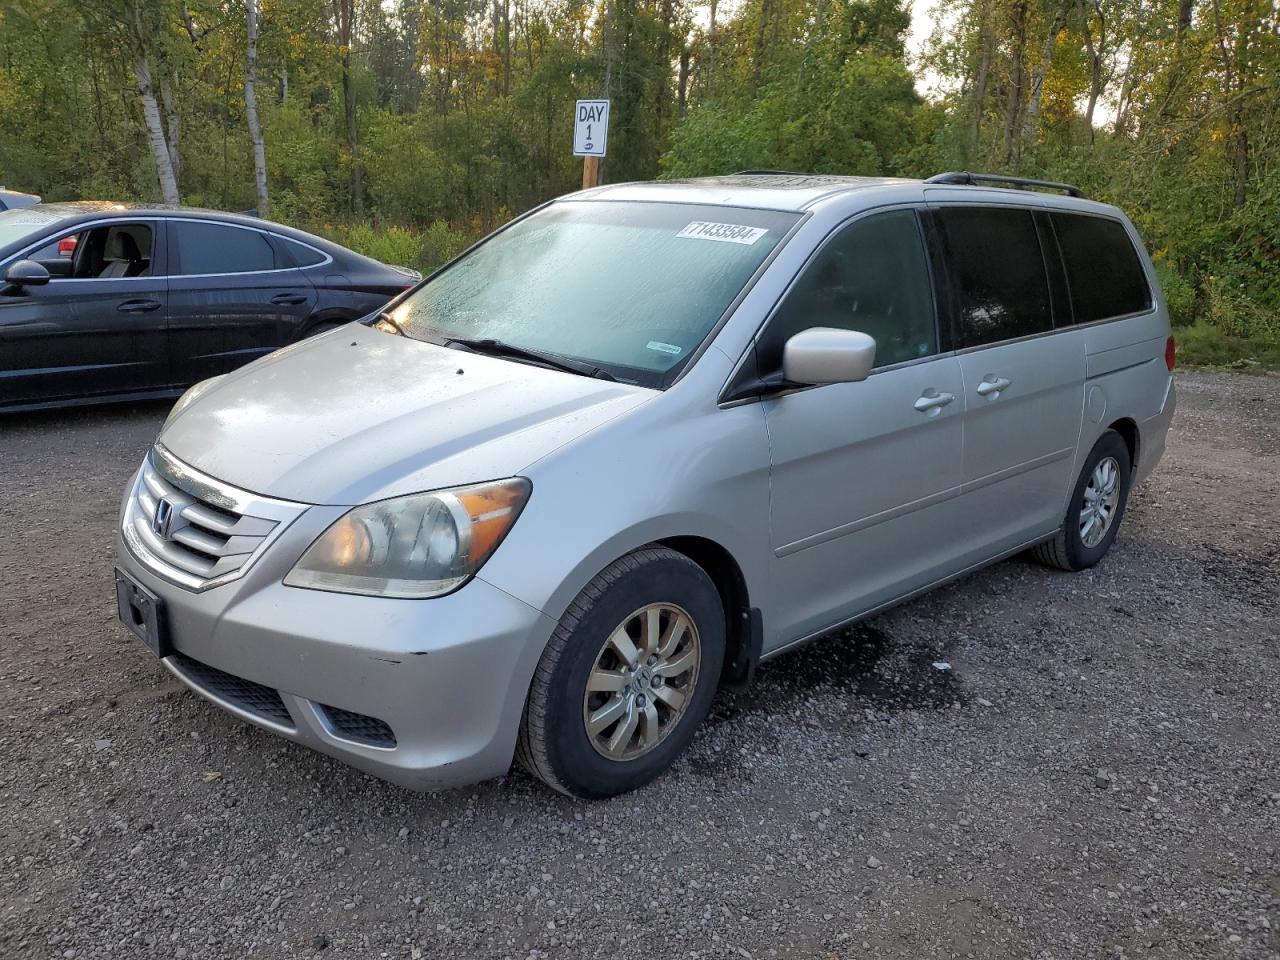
[(1170, 354), (67, 246)]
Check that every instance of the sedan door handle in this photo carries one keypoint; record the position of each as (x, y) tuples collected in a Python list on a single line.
[(931, 404), (139, 306), (991, 385), (289, 299)]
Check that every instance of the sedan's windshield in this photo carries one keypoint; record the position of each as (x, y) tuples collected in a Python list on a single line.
[(632, 288), (17, 226)]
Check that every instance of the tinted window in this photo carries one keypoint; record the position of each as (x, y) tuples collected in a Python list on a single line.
[(303, 256), (214, 248), (872, 277), (996, 271), (1103, 269)]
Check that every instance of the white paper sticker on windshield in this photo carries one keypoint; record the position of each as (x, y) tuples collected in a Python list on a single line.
[(724, 232), (663, 347)]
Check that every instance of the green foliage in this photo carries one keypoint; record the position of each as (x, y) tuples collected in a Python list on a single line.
[(1206, 345), (424, 250), (1179, 294)]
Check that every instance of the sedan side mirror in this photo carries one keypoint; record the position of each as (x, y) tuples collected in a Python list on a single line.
[(828, 355), (26, 273)]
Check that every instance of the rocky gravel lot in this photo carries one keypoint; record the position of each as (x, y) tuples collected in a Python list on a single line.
[(1096, 775)]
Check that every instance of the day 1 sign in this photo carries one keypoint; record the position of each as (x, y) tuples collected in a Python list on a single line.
[(591, 128)]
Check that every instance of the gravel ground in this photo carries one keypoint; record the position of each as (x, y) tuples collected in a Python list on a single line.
[(1096, 775)]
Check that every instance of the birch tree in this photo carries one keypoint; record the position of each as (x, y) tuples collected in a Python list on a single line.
[(251, 108)]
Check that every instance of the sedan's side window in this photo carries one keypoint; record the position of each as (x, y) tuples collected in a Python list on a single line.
[(997, 273), (214, 248), (114, 252), (873, 277)]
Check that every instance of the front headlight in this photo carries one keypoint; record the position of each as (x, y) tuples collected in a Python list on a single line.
[(422, 545)]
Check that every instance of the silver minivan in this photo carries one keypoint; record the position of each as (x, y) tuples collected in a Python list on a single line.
[(632, 444)]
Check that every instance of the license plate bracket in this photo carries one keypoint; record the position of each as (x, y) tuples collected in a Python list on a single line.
[(143, 613)]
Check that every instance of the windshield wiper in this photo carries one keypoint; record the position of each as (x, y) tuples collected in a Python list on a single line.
[(500, 348)]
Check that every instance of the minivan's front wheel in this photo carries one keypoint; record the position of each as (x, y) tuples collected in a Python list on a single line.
[(1096, 508), (627, 678)]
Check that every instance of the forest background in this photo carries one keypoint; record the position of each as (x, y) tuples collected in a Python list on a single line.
[(407, 128)]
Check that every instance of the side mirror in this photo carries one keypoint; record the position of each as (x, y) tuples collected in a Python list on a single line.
[(26, 273), (828, 355)]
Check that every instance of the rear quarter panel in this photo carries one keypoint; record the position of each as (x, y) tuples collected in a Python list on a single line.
[(1125, 371)]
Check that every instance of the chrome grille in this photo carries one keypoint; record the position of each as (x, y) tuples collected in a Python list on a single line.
[(193, 530)]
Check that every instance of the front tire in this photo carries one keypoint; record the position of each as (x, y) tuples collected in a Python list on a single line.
[(1095, 510), (627, 678)]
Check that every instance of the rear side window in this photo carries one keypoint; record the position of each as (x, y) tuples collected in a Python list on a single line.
[(214, 248), (997, 273), (303, 255), (873, 277), (1103, 270)]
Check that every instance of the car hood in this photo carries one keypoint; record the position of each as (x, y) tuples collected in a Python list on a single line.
[(357, 415)]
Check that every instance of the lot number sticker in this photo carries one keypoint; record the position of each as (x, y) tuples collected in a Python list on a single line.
[(723, 232)]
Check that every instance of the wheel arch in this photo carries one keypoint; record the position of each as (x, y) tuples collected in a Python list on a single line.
[(743, 626), (1127, 427)]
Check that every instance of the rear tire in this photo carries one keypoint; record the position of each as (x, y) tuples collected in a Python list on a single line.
[(1095, 509), (627, 678)]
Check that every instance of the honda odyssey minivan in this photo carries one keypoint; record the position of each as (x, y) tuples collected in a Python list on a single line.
[(642, 438)]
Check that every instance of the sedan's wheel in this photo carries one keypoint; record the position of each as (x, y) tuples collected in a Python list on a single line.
[(1097, 505), (641, 683), (627, 677)]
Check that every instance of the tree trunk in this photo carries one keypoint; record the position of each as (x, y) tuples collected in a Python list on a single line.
[(682, 89), (172, 130), (345, 15), (610, 47), (506, 48), (711, 49), (1042, 70), (1094, 51), (987, 52), (1017, 79), (251, 109), (155, 131)]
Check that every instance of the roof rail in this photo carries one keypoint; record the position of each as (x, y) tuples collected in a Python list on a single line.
[(976, 179), (772, 173)]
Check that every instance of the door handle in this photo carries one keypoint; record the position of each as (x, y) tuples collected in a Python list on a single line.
[(289, 299), (932, 404), (991, 386), (139, 306)]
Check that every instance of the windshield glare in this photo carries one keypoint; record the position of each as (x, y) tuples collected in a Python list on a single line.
[(630, 287), (23, 224)]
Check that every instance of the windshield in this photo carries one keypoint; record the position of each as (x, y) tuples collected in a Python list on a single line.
[(17, 226), (632, 288)]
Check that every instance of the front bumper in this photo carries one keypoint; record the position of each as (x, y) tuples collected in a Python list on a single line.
[(448, 675)]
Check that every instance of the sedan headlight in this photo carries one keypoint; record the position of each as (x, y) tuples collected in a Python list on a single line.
[(422, 545)]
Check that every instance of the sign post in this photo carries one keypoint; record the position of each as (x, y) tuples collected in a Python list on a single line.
[(590, 135)]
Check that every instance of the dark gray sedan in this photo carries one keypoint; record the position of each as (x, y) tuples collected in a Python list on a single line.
[(104, 301)]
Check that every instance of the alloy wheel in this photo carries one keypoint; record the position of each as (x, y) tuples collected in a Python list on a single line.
[(641, 682), (1101, 497)]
